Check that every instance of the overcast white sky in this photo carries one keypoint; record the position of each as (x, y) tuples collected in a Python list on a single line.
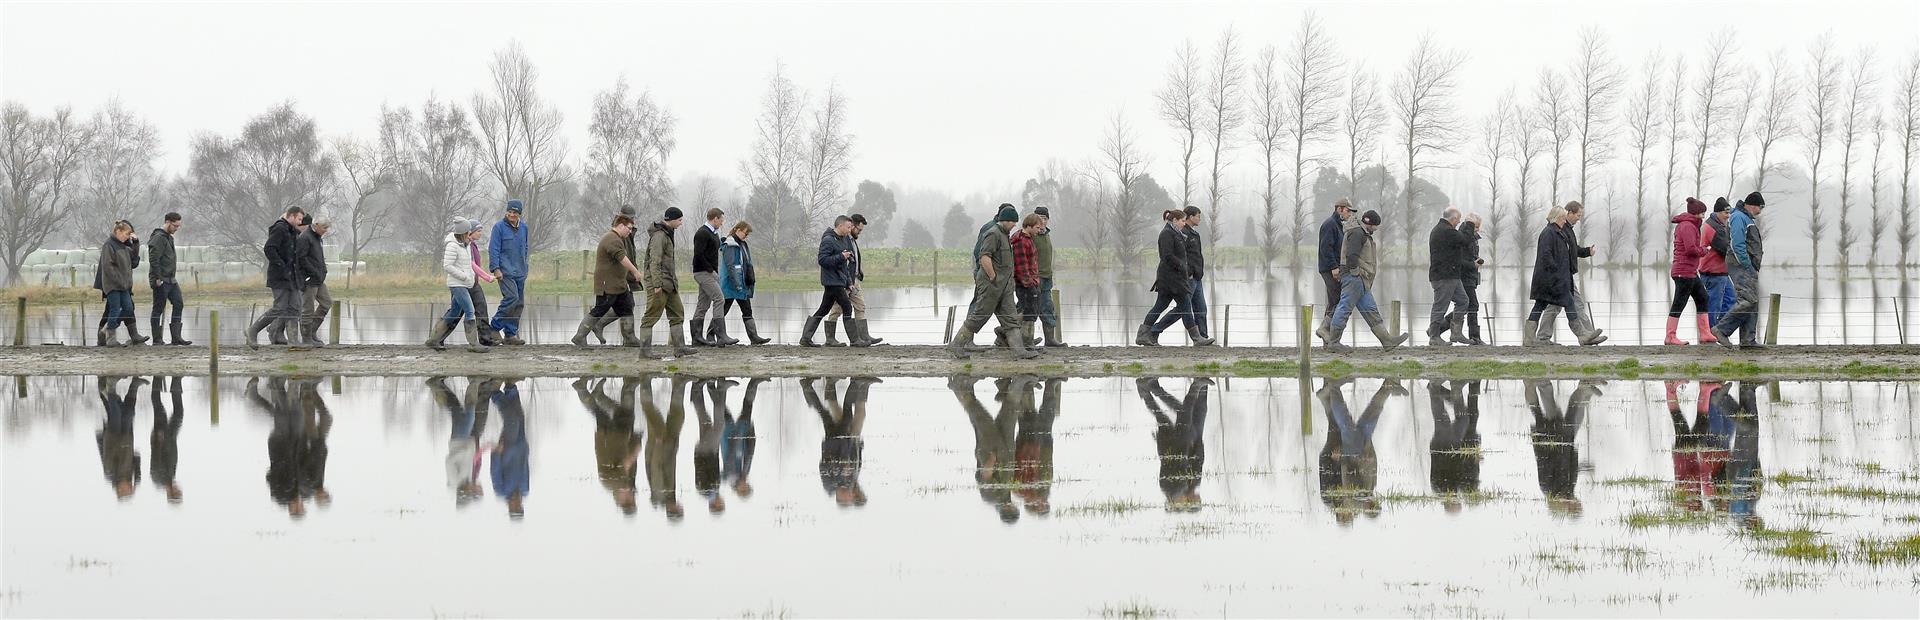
[(952, 95)]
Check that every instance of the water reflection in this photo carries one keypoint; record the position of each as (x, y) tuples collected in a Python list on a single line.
[(1177, 437), (1742, 477), (1454, 452), (468, 422), (1349, 467), (164, 442), (297, 446), (736, 451), (994, 437), (1555, 429), (511, 465), (663, 444), (841, 446), (119, 460), (616, 444)]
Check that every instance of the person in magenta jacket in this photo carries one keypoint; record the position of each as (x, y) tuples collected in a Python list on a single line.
[(1687, 252)]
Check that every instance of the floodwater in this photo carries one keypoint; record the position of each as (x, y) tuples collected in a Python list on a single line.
[(1249, 307), (1027, 496)]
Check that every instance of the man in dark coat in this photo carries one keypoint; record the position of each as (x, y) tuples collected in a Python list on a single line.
[(162, 261), (1332, 231), (1553, 268), (283, 278), (835, 257), (1448, 262), (316, 300)]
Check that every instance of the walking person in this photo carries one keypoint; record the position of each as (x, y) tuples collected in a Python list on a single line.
[(1043, 254), (1026, 275), (1198, 331), (113, 276), (1713, 265), (507, 252), (706, 274), (1333, 231), (835, 259), (478, 293), (1447, 264), (1552, 314), (161, 263), (457, 262), (1687, 257), (1743, 235), (736, 280), (993, 292), (1359, 261), (282, 278), (861, 338), (1470, 278), (612, 298), (663, 285), (1552, 285), (1172, 280), (316, 300)]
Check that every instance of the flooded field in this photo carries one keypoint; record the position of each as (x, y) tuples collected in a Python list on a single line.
[(964, 496)]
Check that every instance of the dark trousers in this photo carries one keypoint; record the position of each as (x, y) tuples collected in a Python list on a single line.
[(165, 293), (1688, 288), (746, 307), (1333, 292), (1027, 299), (835, 296), (1473, 311), (620, 304), (1159, 321)]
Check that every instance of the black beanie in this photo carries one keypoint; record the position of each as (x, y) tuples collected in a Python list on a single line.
[(1371, 217), (1720, 205), (1755, 199), (673, 213)]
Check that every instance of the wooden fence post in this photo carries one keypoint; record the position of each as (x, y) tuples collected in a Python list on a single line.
[(20, 322), (1393, 323), (1773, 319), (948, 338), (213, 344), (333, 331), (1226, 327)]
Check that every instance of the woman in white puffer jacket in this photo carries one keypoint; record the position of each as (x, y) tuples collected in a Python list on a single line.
[(457, 262)]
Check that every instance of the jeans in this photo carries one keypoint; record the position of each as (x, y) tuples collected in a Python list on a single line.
[(1719, 295), (284, 314), (119, 308), (164, 293), (1354, 295), (855, 300), (1195, 315), (1448, 294), (1027, 299), (1473, 311), (462, 308), (1049, 316), (512, 302)]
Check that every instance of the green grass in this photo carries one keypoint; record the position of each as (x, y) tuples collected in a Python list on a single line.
[(1869, 493), (1642, 519), (1107, 508), (1787, 477), (1634, 481), (1132, 609)]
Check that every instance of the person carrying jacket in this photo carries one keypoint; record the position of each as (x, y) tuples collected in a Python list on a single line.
[(1333, 231), (663, 286), (1448, 260), (162, 262), (835, 258), (1172, 280), (1743, 235), (1359, 260), (1713, 264), (113, 276), (507, 251), (283, 279), (1687, 255)]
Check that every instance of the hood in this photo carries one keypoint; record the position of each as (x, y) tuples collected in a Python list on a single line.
[(1686, 217), (661, 226), (730, 240)]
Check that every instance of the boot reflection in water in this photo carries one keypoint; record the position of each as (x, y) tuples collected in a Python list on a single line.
[(663, 445), (1555, 453), (1349, 468), (164, 442), (1177, 438), (993, 440), (841, 446), (1033, 451), (1455, 448)]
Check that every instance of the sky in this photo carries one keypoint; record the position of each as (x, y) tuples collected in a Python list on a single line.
[(954, 95)]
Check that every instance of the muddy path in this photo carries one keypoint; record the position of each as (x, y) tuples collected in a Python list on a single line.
[(1692, 362)]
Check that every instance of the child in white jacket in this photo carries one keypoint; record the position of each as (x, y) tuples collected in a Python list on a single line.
[(457, 261)]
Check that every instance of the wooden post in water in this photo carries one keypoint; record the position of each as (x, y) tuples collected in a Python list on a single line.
[(1773, 319), (20, 386), (20, 322), (1226, 327), (949, 333), (336, 385), (1393, 323), (586, 266), (213, 398), (1302, 336), (213, 344), (1899, 321), (333, 331)]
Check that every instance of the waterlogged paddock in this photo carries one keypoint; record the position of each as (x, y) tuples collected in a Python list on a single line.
[(458, 497)]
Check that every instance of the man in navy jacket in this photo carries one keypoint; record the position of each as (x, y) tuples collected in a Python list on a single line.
[(1331, 232)]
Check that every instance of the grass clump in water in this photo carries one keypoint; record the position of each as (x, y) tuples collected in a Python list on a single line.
[(1132, 609), (1108, 507), (1642, 519), (1267, 367), (1870, 493), (1634, 481)]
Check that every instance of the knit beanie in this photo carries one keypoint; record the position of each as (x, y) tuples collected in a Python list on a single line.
[(515, 205), (458, 225), (1371, 218), (1694, 206), (1755, 200), (673, 213), (1720, 205), (1008, 214)]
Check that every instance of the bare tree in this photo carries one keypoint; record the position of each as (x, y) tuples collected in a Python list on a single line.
[(1740, 112), (1643, 135), (1268, 134), (237, 186), (1312, 109), (828, 157), (40, 161), (367, 170), (1877, 217), (118, 180), (444, 173), (631, 139), (1906, 123), (1180, 107), (521, 140), (778, 161), (1676, 126), (1530, 141), (1824, 72), (1496, 145), (1226, 78), (1596, 85), (1426, 114), (1122, 164), (1861, 85), (1776, 120), (1365, 118), (1554, 114), (1719, 75)]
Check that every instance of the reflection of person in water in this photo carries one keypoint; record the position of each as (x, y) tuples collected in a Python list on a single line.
[(1033, 451), (1555, 454), (1349, 468), (164, 442), (993, 441), (1741, 478), (1178, 438), (706, 448), (841, 445), (118, 458), (297, 445), (1698, 455), (663, 445), (511, 467), (616, 446), (737, 441), (1455, 447), (469, 421)]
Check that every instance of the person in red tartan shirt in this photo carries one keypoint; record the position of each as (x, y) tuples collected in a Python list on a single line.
[(1026, 273)]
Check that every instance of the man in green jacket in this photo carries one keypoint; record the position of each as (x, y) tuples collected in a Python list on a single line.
[(161, 262), (1043, 251), (663, 285), (993, 292)]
